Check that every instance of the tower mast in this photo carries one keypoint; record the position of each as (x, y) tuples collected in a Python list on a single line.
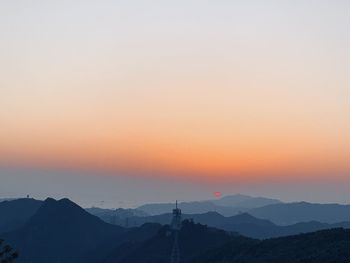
[(175, 227)]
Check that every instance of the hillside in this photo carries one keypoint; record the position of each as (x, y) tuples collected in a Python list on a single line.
[(227, 205), (317, 247), (244, 224), (15, 213), (291, 213), (60, 231), (194, 239)]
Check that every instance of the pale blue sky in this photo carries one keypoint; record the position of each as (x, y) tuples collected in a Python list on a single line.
[(170, 86)]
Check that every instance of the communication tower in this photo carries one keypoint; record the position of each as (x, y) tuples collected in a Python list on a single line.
[(175, 227)]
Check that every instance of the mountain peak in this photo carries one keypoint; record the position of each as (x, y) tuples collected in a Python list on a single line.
[(63, 211), (65, 230), (15, 213), (245, 201)]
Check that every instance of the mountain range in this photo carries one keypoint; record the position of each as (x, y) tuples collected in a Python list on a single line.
[(274, 220), (62, 231), (227, 205), (244, 224), (274, 210), (291, 213)]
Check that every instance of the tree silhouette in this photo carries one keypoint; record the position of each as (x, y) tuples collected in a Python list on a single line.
[(7, 254)]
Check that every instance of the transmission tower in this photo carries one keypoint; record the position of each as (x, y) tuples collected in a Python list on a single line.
[(175, 227)]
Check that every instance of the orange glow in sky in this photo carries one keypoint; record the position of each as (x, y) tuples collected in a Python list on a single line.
[(196, 90)]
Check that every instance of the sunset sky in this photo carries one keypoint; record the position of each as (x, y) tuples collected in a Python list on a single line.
[(146, 97)]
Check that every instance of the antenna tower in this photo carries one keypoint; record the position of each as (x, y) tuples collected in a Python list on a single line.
[(175, 227)]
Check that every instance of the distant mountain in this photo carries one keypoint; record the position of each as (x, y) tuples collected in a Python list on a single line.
[(60, 231), (244, 224), (15, 213), (244, 201), (187, 207), (193, 240), (317, 247), (264, 230), (212, 219), (7, 199), (115, 216), (291, 213), (228, 205)]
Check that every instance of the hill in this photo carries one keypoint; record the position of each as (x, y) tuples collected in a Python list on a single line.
[(116, 216), (244, 201), (291, 213), (15, 213), (244, 224), (194, 240), (317, 247), (60, 231), (227, 206)]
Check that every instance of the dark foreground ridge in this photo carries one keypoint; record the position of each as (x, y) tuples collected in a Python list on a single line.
[(193, 240), (318, 247)]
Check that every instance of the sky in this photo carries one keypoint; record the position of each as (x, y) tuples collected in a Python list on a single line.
[(119, 103)]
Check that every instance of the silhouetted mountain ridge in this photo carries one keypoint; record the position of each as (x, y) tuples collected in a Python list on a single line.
[(243, 223), (291, 213), (227, 205), (60, 231), (244, 201), (15, 213), (194, 239), (317, 247)]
